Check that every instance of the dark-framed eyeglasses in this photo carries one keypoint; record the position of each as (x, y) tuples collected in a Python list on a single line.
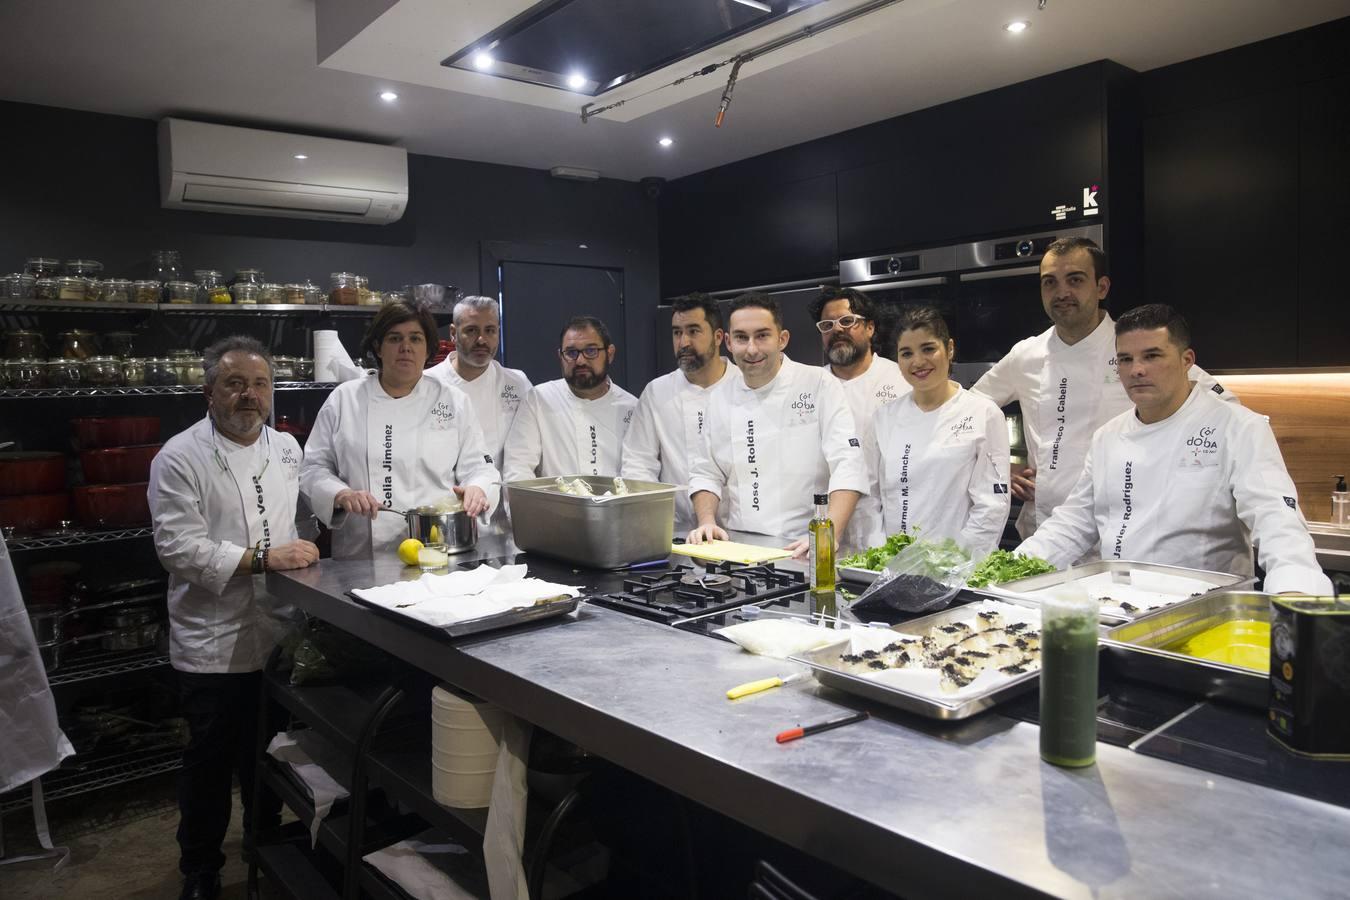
[(573, 353), (844, 323)]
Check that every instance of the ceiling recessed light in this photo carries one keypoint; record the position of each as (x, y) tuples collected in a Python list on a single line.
[(583, 246), (301, 156), (666, 142), (576, 81), (1016, 27), (483, 60), (388, 96)]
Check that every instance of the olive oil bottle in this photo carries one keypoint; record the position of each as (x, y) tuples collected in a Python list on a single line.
[(821, 535)]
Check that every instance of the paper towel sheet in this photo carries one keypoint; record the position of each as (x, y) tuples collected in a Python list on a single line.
[(442, 600), (429, 868), (504, 837), (306, 752)]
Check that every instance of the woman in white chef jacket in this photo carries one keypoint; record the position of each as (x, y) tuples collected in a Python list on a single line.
[(394, 440), (941, 452)]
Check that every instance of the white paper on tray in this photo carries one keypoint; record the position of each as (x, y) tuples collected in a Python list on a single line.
[(1145, 591), (442, 600), (779, 638)]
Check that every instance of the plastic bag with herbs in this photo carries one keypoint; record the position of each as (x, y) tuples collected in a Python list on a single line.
[(322, 654), (922, 577)]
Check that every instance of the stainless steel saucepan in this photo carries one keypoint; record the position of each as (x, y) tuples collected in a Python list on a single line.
[(458, 530)]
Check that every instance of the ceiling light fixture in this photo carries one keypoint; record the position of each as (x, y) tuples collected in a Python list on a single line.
[(388, 96), (576, 81), (1016, 27), (666, 142), (483, 61), (301, 156)]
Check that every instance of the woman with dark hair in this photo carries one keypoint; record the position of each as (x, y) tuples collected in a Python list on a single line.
[(394, 440), (941, 452)]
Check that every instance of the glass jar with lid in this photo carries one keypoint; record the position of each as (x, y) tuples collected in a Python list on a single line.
[(304, 368), (270, 293), (25, 373), (314, 295), (362, 290), (24, 344), (283, 368), (45, 289), (64, 373), (78, 344), (249, 276), (93, 289), (294, 293), (344, 289), (133, 370), (42, 267), (188, 367), (84, 268), (166, 265), (211, 287), (245, 292), (17, 285), (181, 291), (121, 344), (103, 371), (69, 287), (145, 291), (160, 372), (116, 290)]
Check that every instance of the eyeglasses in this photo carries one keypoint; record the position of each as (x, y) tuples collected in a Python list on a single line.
[(589, 352), (843, 323)]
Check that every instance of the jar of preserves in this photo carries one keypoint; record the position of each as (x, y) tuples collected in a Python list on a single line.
[(304, 369), (271, 294), (64, 373), (103, 371), (314, 295), (249, 276), (45, 289), (343, 289), (244, 292), (17, 285), (145, 292), (166, 265), (181, 292), (362, 290), (42, 267), (373, 298), (71, 288), (25, 373), (121, 344), (116, 290), (189, 369), (93, 289), (84, 268), (283, 368), (160, 372), (294, 293), (78, 344), (23, 344), (133, 370), (211, 287)]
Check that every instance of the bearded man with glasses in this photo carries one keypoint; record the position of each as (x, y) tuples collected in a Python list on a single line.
[(573, 425)]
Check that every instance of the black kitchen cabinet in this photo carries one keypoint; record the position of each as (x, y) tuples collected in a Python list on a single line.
[(1221, 200), (1324, 223)]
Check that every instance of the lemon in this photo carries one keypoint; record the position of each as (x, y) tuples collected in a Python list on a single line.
[(435, 534), (407, 551)]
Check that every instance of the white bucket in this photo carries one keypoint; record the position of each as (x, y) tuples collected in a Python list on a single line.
[(464, 748)]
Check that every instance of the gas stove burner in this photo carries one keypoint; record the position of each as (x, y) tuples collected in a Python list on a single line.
[(711, 582)]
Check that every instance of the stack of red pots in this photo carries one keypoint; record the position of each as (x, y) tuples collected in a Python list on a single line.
[(115, 455), (33, 490)]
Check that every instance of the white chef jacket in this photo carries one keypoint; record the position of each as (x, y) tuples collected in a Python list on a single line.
[(665, 435), (1066, 393), (769, 450), (496, 396), (211, 499), (408, 451), (944, 473), (558, 433), (31, 742), (881, 384), (1192, 490)]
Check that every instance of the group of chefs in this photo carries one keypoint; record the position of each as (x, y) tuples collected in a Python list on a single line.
[(1134, 453)]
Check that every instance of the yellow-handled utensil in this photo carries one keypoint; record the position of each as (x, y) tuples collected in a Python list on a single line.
[(764, 684)]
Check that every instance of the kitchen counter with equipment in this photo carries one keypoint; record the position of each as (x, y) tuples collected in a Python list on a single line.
[(921, 808)]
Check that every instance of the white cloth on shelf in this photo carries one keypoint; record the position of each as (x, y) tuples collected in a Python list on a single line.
[(307, 754), (504, 836), (424, 867)]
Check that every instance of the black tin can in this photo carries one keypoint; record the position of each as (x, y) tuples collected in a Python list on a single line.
[(1310, 675)]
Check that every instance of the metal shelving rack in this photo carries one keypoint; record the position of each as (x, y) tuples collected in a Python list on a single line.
[(51, 393), (32, 305), (78, 540), (80, 775), (101, 665)]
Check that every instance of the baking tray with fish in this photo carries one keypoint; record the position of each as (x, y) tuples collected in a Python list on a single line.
[(1095, 576), (1146, 649), (544, 609), (824, 662)]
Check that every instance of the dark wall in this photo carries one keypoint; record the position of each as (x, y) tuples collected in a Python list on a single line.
[(86, 185)]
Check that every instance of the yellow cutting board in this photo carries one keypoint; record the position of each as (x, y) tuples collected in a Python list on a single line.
[(730, 551)]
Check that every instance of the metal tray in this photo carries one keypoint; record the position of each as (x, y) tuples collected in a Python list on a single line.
[(1140, 651), (600, 532), (559, 607), (823, 660), (1218, 580)]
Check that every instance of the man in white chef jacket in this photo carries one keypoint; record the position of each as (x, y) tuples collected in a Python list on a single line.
[(1065, 378), (495, 391), (668, 425), (1182, 478), (774, 439), (223, 498), (847, 323), (574, 425)]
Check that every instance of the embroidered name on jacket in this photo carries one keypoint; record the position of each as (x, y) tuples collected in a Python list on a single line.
[(1059, 432), (750, 458), (388, 465), (904, 489), (1127, 500)]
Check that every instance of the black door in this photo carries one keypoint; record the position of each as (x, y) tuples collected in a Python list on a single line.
[(537, 301)]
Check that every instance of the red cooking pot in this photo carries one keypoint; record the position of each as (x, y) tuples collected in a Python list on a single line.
[(34, 512), (118, 465), (115, 431), (112, 505), (32, 472)]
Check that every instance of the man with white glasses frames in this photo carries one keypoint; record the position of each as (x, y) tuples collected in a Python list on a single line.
[(574, 425)]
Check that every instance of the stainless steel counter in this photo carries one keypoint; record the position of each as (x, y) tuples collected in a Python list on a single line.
[(920, 808)]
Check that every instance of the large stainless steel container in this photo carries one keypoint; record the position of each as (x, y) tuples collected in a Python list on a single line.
[(599, 532), (1146, 649)]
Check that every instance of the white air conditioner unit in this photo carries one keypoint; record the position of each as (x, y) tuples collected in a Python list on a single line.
[(221, 168)]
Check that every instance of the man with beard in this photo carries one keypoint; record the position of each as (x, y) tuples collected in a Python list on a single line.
[(774, 440), (573, 425), (668, 425), (495, 391), (847, 323), (1065, 378), (223, 498)]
